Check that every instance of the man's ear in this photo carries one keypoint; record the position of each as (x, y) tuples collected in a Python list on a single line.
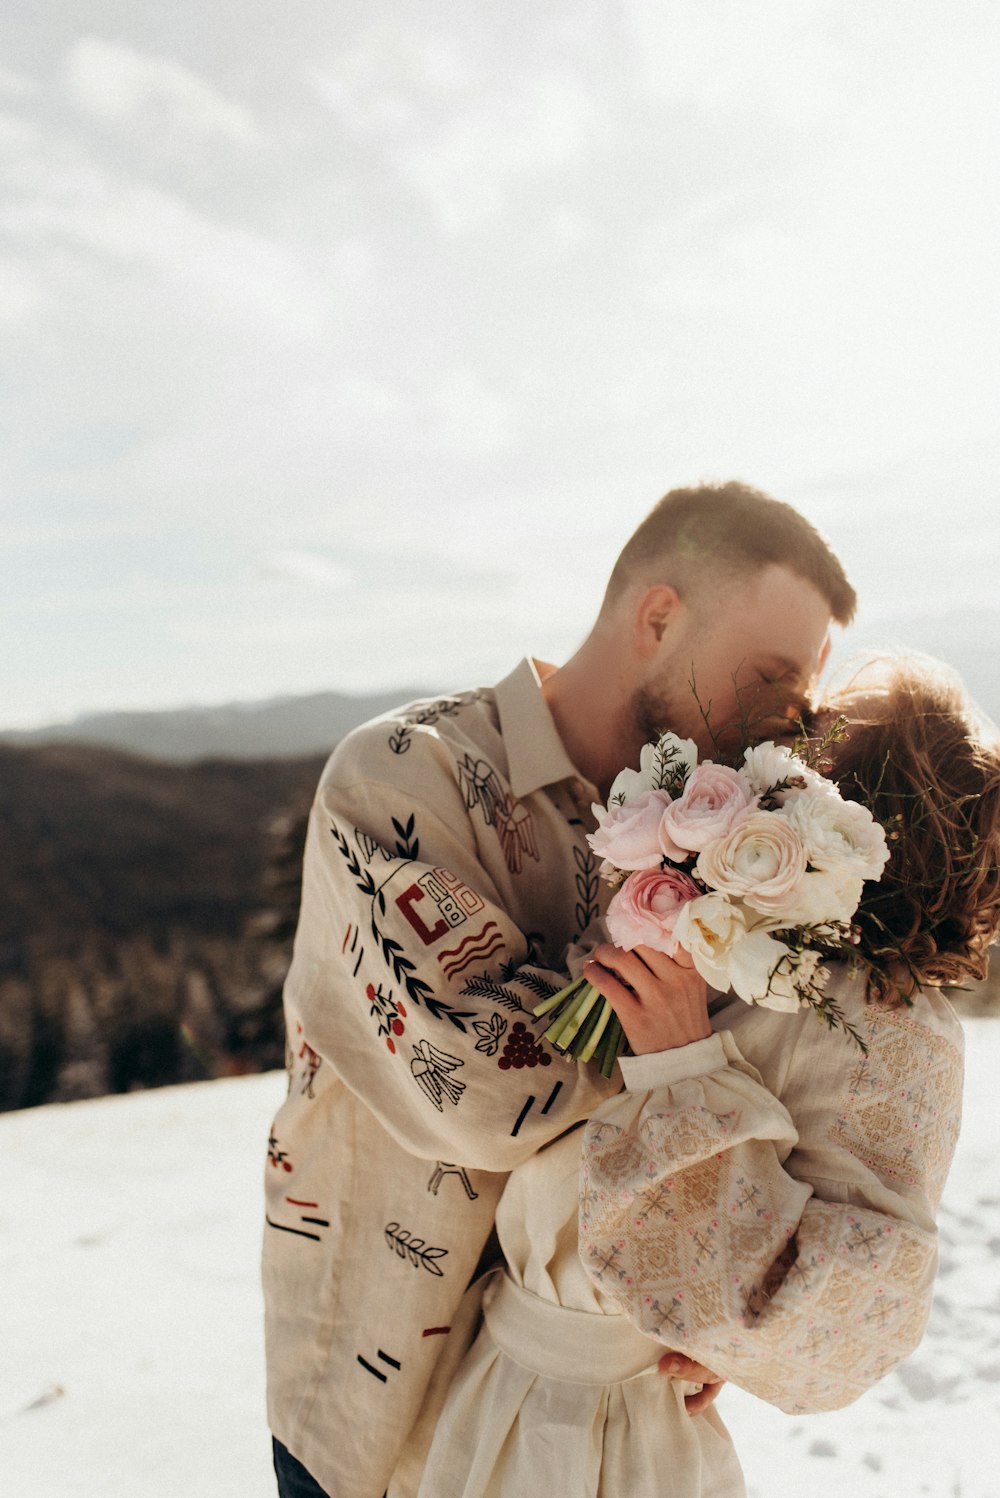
[(656, 609)]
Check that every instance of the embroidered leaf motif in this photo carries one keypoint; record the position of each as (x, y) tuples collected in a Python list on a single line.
[(538, 984), (447, 707), (512, 969), (586, 887), (414, 1249), (490, 1032), (485, 987), (392, 952), (407, 846)]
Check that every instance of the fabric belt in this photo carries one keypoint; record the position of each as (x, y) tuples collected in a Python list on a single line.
[(576, 1347)]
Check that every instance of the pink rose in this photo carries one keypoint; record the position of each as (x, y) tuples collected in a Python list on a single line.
[(645, 910), (628, 836), (713, 801)]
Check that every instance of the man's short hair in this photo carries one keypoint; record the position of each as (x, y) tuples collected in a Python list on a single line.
[(698, 532)]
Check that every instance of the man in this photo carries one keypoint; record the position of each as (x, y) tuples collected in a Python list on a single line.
[(446, 872)]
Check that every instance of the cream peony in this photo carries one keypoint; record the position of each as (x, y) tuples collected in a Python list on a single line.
[(838, 836), (714, 799), (762, 861), (709, 928), (764, 971), (644, 912)]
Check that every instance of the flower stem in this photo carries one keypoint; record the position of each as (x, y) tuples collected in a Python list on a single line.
[(566, 1014), (547, 1005), (584, 1025), (581, 1010), (597, 1030), (612, 1046)]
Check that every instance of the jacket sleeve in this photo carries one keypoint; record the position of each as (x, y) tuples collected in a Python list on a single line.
[(411, 980), (800, 1291)]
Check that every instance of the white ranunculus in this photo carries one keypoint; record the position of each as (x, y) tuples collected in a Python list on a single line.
[(761, 861), (629, 784), (839, 836), (682, 754), (821, 897), (708, 928), (767, 765), (764, 971)]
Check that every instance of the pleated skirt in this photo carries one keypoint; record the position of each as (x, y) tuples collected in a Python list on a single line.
[(556, 1403)]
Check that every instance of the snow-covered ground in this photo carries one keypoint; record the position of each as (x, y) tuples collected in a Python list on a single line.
[(130, 1330)]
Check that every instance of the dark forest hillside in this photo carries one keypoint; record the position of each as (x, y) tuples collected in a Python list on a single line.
[(145, 916)]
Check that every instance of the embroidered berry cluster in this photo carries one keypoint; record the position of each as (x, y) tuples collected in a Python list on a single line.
[(522, 1049)]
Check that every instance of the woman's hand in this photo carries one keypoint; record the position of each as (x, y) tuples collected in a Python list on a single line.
[(676, 1365), (662, 1002)]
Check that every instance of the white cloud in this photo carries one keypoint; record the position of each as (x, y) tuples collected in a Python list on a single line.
[(19, 85), (22, 294), (392, 80), (510, 136), (311, 567), (469, 416), (114, 82), (17, 135), (461, 137), (724, 57), (128, 224)]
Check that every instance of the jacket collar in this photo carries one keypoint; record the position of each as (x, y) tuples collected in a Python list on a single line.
[(536, 755)]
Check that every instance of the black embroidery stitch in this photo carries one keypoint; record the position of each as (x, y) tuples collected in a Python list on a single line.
[(401, 1240), (432, 1069), (407, 846), (445, 1168), (401, 966), (490, 1032), (446, 707), (485, 987), (586, 887)]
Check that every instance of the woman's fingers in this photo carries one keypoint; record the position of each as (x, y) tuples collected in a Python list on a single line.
[(622, 998), (676, 1365), (628, 967), (643, 969), (695, 1404)]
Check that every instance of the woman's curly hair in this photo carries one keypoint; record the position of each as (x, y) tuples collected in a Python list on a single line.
[(926, 762)]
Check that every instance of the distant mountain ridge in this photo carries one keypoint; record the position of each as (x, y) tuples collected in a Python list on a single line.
[(277, 728), (293, 725)]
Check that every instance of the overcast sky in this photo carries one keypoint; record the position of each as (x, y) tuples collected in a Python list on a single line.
[(342, 345)]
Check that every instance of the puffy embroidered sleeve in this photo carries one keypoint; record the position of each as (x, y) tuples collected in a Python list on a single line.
[(802, 1291), (410, 978)]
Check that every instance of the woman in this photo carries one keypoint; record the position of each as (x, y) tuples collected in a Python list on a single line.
[(760, 1197)]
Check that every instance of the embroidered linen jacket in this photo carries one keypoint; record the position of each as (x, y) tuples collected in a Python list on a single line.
[(446, 871), (764, 1200)]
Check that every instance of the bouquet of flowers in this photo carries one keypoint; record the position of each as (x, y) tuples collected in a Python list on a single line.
[(756, 871)]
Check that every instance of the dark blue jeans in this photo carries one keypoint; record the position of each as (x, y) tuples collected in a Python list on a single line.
[(293, 1479)]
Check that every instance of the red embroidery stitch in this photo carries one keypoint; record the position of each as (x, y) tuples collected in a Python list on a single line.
[(427, 934)]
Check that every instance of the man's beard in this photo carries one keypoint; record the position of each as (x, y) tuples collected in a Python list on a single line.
[(655, 709)]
